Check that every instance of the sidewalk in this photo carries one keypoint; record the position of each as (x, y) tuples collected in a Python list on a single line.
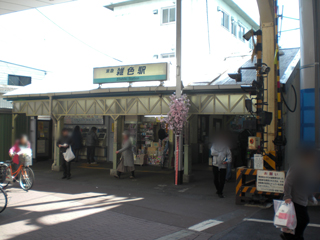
[(93, 204)]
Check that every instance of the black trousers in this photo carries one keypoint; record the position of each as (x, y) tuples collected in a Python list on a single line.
[(90, 153), (119, 173), (66, 166), (302, 222), (219, 178)]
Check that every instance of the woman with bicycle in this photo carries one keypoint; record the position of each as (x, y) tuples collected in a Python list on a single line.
[(21, 144)]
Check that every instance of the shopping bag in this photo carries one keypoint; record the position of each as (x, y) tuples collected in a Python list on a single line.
[(285, 216), (68, 155)]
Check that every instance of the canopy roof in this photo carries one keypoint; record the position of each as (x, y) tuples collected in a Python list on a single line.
[(216, 79)]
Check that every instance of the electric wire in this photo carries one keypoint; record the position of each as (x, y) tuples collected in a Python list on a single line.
[(76, 37), (295, 97)]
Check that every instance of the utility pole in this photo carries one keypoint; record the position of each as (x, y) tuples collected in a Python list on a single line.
[(178, 48), (178, 138), (316, 25)]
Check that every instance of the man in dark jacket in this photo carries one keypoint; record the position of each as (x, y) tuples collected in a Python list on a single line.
[(91, 142), (63, 144)]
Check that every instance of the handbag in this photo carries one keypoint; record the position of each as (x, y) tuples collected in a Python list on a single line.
[(68, 155)]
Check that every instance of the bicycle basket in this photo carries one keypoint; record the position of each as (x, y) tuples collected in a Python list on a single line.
[(3, 172), (25, 160)]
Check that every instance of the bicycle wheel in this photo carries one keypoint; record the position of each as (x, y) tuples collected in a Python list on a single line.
[(26, 178), (3, 200), (6, 181)]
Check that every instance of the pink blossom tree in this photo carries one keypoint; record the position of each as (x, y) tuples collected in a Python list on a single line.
[(178, 113)]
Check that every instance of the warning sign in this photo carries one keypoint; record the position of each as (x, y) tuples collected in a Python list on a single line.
[(270, 181)]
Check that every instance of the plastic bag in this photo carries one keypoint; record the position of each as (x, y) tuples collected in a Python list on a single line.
[(285, 216), (68, 155)]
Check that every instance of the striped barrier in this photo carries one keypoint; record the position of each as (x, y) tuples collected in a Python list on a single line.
[(244, 187), (269, 161)]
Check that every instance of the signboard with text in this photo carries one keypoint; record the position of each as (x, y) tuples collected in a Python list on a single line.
[(270, 181), (131, 73)]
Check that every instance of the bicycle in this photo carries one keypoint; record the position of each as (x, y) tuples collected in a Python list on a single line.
[(3, 200), (24, 173)]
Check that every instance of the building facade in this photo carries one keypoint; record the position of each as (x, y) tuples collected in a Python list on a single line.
[(211, 31), (12, 77)]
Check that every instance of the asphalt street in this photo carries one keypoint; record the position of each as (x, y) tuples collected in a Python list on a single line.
[(94, 204)]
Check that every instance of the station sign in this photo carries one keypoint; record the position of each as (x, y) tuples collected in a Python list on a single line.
[(131, 73)]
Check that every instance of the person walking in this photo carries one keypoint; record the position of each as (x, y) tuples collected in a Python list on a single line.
[(221, 157), (91, 142), (126, 162), (298, 188), (76, 142), (63, 144)]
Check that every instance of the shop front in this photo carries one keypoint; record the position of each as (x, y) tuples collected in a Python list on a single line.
[(133, 98)]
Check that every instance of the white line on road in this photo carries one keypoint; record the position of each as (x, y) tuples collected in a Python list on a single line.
[(205, 225), (269, 221)]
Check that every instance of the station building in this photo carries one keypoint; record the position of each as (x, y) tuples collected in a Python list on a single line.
[(216, 104)]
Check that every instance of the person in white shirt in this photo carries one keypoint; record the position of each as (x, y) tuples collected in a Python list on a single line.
[(221, 156)]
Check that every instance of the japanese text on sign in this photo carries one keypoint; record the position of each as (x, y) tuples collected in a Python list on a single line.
[(270, 181), (131, 73)]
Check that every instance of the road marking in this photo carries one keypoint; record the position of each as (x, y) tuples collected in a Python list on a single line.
[(177, 235), (257, 220), (269, 221), (183, 190), (205, 225)]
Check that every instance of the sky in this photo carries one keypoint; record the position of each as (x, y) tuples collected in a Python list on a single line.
[(71, 39), (289, 8)]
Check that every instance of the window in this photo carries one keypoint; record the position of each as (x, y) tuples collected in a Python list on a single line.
[(241, 32), (224, 20), (168, 55), (18, 80), (168, 15), (233, 27)]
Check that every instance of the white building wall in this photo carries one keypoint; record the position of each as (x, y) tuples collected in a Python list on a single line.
[(13, 69), (205, 43)]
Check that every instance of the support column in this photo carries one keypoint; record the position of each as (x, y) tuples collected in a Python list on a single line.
[(58, 126), (266, 10), (117, 131), (187, 173), (268, 50), (13, 132), (171, 149)]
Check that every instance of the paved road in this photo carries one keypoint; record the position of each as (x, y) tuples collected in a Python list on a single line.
[(94, 205)]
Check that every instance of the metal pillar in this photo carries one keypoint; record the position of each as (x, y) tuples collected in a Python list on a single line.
[(117, 131), (187, 176), (309, 72), (178, 48), (260, 90), (13, 132), (178, 139), (58, 126), (316, 21)]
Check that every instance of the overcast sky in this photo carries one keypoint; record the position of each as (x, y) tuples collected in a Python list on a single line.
[(31, 39)]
